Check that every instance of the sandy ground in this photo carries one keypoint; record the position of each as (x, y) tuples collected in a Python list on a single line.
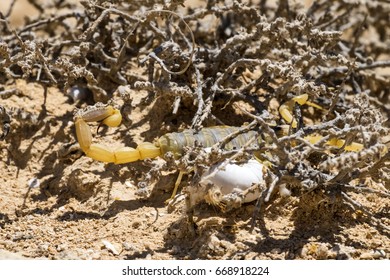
[(56, 203)]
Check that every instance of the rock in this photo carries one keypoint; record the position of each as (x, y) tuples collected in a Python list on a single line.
[(114, 248)]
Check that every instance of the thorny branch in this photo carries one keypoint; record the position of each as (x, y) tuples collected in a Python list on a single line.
[(5, 121)]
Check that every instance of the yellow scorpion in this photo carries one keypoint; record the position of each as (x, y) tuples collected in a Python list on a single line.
[(175, 142)]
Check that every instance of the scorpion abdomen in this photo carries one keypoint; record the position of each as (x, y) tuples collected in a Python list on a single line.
[(176, 141)]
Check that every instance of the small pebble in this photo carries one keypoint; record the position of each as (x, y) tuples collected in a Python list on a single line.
[(375, 254), (129, 184), (33, 183), (214, 242), (77, 93), (116, 248)]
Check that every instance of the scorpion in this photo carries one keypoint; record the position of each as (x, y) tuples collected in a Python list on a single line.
[(231, 178)]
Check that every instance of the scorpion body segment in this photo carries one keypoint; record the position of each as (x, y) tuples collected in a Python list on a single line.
[(207, 137)]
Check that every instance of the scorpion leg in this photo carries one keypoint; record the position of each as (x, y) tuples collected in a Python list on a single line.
[(177, 183), (110, 117), (286, 110)]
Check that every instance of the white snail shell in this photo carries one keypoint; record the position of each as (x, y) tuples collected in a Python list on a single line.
[(236, 178)]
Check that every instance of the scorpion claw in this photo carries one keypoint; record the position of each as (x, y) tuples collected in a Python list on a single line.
[(286, 108), (286, 111)]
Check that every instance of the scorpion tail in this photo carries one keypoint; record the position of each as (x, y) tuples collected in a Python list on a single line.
[(110, 117)]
